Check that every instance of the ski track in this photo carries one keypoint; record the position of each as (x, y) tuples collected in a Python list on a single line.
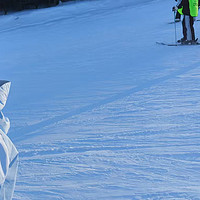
[(81, 15), (148, 151), (26, 131)]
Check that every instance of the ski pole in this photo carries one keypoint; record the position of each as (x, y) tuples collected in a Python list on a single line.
[(175, 26)]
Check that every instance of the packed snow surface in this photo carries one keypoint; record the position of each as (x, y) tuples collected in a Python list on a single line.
[(97, 109)]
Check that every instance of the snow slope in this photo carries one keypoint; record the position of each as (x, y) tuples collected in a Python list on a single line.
[(97, 109)]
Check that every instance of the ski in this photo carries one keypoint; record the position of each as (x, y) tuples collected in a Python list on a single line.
[(174, 22), (167, 44), (177, 44), (180, 21)]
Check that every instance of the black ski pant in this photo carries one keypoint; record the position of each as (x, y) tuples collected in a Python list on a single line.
[(178, 15), (188, 27)]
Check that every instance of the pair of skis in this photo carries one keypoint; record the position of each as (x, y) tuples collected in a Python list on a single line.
[(177, 44), (175, 22)]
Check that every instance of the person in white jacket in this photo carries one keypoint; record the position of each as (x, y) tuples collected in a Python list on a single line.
[(8, 152)]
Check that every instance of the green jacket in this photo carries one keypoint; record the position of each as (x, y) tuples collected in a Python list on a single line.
[(194, 7), (188, 7)]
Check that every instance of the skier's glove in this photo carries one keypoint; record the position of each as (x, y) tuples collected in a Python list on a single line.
[(175, 8)]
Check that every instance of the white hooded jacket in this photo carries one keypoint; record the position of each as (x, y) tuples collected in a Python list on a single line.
[(8, 152)]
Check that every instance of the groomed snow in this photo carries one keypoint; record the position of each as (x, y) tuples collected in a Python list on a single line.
[(97, 109)]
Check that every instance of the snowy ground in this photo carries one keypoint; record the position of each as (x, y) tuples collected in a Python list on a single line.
[(97, 109)]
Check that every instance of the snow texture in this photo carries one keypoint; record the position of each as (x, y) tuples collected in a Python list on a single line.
[(98, 110)]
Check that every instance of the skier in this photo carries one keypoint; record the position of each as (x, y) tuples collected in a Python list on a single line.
[(189, 10)]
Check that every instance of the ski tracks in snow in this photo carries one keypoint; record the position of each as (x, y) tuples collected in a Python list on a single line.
[(30, 131), (73, 14)]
